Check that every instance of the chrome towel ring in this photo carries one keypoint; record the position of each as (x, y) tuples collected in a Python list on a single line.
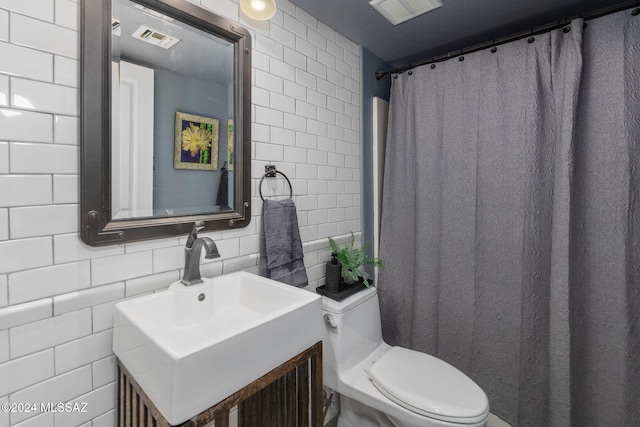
[(271, 173)]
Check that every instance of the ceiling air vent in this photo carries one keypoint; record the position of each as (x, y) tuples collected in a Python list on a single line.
[(399, 11), (154, 37)]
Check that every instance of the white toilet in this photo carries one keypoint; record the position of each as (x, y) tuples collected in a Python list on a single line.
[(384, 386)]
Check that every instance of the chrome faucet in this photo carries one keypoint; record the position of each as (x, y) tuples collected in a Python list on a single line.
[(192, 251)]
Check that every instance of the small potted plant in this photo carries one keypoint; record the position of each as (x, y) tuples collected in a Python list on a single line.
[(353, 259)]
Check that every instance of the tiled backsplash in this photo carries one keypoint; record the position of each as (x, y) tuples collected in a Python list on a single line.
[(57, 294)]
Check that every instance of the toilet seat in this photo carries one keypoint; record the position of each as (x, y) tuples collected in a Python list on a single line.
[(428, 386)]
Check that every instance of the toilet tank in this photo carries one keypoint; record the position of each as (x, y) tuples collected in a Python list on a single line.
[(352, 333)]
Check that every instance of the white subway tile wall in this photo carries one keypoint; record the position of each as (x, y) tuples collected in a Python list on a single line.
[(4, 25), (4, 346), (56, 293)]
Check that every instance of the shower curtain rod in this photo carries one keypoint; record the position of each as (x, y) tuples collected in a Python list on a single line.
[(496, 42)]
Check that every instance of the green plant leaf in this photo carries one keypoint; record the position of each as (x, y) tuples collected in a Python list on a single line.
[(353, 259)]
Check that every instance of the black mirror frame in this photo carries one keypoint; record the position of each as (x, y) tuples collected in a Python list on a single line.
[(97, 226)]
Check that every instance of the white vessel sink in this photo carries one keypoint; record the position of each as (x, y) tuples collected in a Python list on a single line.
[(188, 354)]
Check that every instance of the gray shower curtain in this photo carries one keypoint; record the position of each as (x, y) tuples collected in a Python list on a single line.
[(511, 222)]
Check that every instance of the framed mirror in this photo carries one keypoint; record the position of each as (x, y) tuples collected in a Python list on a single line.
[(165, 120)]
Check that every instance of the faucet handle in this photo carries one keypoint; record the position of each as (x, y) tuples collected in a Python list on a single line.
[(197, 226)]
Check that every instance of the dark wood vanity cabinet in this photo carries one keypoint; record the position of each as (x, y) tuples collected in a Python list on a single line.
[(288, 396)]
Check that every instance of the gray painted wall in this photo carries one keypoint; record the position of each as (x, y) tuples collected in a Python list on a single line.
[(179, 188)]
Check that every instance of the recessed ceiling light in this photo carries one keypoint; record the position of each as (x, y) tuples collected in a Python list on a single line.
[(260, 10)]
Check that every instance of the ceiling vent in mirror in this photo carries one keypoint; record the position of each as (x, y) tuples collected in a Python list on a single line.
[(399, 11), (116, 27), (154, 37)]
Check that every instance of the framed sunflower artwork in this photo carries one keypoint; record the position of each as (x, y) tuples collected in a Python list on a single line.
[(230, 139), (196, 142)]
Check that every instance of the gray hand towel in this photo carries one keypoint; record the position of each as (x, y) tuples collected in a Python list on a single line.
[(222, 199), (280, 245)]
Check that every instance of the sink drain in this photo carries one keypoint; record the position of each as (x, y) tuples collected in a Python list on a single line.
[(201, 297)]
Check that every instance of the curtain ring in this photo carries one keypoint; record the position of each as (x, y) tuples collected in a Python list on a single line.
[(635, 12), (461, 58), (531, 39), (566, 29), (494, 49), (410, 72), (432, 66)]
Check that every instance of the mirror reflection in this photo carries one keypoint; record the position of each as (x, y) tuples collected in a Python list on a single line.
[(172, 124)]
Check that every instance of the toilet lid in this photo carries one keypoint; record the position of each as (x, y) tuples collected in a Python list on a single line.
[(428, 386)]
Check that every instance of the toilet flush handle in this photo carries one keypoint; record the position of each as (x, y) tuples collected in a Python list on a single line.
[(330, 322)]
